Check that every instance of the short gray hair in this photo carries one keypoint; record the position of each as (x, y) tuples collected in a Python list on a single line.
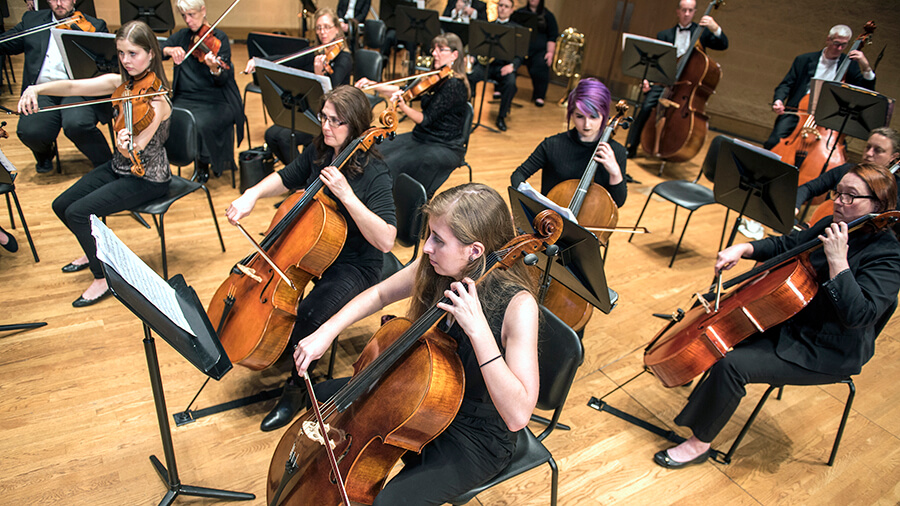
[(196, 5), (836, 31)]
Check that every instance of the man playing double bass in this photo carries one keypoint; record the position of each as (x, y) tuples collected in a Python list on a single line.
[(823, 65), (712, 38)]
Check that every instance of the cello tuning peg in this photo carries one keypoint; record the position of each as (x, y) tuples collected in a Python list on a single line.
[(391, 135), (379, 139), (530, 259)]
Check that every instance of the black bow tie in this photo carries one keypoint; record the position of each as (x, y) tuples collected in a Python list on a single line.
[(682, 29)]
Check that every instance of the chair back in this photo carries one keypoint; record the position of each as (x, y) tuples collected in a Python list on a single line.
[(409, 197), (708, 168), (560, 353), (367, 63), (181, 146), (374, 33), (467, 126)]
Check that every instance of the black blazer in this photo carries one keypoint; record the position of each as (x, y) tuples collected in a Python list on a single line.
[(35, 45), (707, 39), (359, 11), (479, 6), (796, 83), (835, 333)]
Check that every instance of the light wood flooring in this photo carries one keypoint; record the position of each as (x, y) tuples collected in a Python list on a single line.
[(77, 421)]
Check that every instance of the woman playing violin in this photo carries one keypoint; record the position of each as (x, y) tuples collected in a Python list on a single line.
[(204, 86), (327, 30), (112, 187), (828, 340), (434, 148), (565, 155), (495, 326), (362, 190)]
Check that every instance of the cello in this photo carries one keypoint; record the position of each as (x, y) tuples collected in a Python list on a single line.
[(679, 130), (811, 148), (255, 308), (594, 207), (406, 388), (765, 296)]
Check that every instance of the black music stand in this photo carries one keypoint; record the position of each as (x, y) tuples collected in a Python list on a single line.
[(460, 28), (756, 184), (495, 41), (271, 46), (293, 98), (650, 59), (156, 13), (388, 9), (577, 265), (85, 7), (87, 54), (200, 346), (416, 27)]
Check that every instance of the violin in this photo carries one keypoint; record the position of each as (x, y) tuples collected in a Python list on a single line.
[(255, 308), (135, 114), (204, 43), (406, 388), (765, 296), (424, 82)]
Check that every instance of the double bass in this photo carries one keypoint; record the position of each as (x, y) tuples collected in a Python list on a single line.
[(681, 123), (406, 388), (764, 297), (811, 148), (255, 308)]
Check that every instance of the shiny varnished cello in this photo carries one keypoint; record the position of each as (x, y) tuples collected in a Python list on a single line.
[(679, 128), (764, 297), (406, 388), (254, 310), (594, 207), (811, 148)]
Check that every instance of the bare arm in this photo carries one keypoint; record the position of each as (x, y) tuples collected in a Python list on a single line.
[(93, 87), (243, 205), (377, 232)]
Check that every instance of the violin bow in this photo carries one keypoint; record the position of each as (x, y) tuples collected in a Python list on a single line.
[(307, 51), (91, 102), (38, 28), (209, 32), (402, 79)]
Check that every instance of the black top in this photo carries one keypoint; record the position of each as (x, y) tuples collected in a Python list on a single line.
[(835, 333), (359, 11), (372, 187), (564, 156), (796, 82), (444, 114), (547, 30), (707, 39), (342, 65)]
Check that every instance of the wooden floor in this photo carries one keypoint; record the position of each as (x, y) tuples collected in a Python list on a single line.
[(77, 421)]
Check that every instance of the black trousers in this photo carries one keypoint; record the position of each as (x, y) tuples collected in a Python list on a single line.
[(338, 284), (426, 162), (540, 75), (648, 109), (714, 401), (216, 132), (505, 84), (784, 125), (101, 192), (38, 131), (279, 141)]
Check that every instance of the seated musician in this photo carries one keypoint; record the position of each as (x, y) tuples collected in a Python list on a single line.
[(112, 187), (434, 148), (817, 65), (828, 340), (502, 71), (681, 34), (465, 10), (495, 325), (882, 148), (362, 190), (328, 30), (207, 89), (566, 155), (43, 64)]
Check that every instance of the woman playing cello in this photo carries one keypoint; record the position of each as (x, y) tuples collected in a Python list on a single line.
[(495, 326), (112, 187), (829, 339), (434, 148), (362, 190), (565, 155)]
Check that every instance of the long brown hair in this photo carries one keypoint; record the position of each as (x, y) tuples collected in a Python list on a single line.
[(474, 213), (453, 41), (352, 106), (139, 34)]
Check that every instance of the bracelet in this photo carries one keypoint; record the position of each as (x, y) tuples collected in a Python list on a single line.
[(491, 360)]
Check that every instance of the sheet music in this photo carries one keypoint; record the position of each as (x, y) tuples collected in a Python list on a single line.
[(6, 163), (530, 192), (325, 81), (133, 270), (626, 36)]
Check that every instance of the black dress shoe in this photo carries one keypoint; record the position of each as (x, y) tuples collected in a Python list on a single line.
[(662, 458), (539, 102), (82, 302), (11, 245), (293, 399), (501, 124), (44, 166), (75, 267)]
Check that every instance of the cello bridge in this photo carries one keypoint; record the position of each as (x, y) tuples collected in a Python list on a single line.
[(251, 273), (705, 303), (311, 430)]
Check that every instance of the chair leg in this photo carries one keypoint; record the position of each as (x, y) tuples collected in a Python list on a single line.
[(631, 236), (215, 220), (688, 220), (25, 226), (12, 220), (246, 123), (674, 217), (727, 458), (554, 481), (840, 432), (470, 170)]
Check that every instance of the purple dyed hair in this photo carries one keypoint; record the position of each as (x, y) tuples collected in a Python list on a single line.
[(590, 97)]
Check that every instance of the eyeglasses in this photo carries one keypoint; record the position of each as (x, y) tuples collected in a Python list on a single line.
[(334, 122), (847, 198), (322, 28), (839, 43), (443, 49)]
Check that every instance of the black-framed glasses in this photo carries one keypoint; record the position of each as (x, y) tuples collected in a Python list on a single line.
[(847, 198), (333, 121)]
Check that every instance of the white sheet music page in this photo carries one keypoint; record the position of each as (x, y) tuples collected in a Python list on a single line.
[(136, 273), (529, 191), (4, 161)]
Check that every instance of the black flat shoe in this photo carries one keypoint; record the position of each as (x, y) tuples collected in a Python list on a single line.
[(662, 458), (501, 124), (82, 302), (75, 267), (11, 245), (293, 399), (44, 166)]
